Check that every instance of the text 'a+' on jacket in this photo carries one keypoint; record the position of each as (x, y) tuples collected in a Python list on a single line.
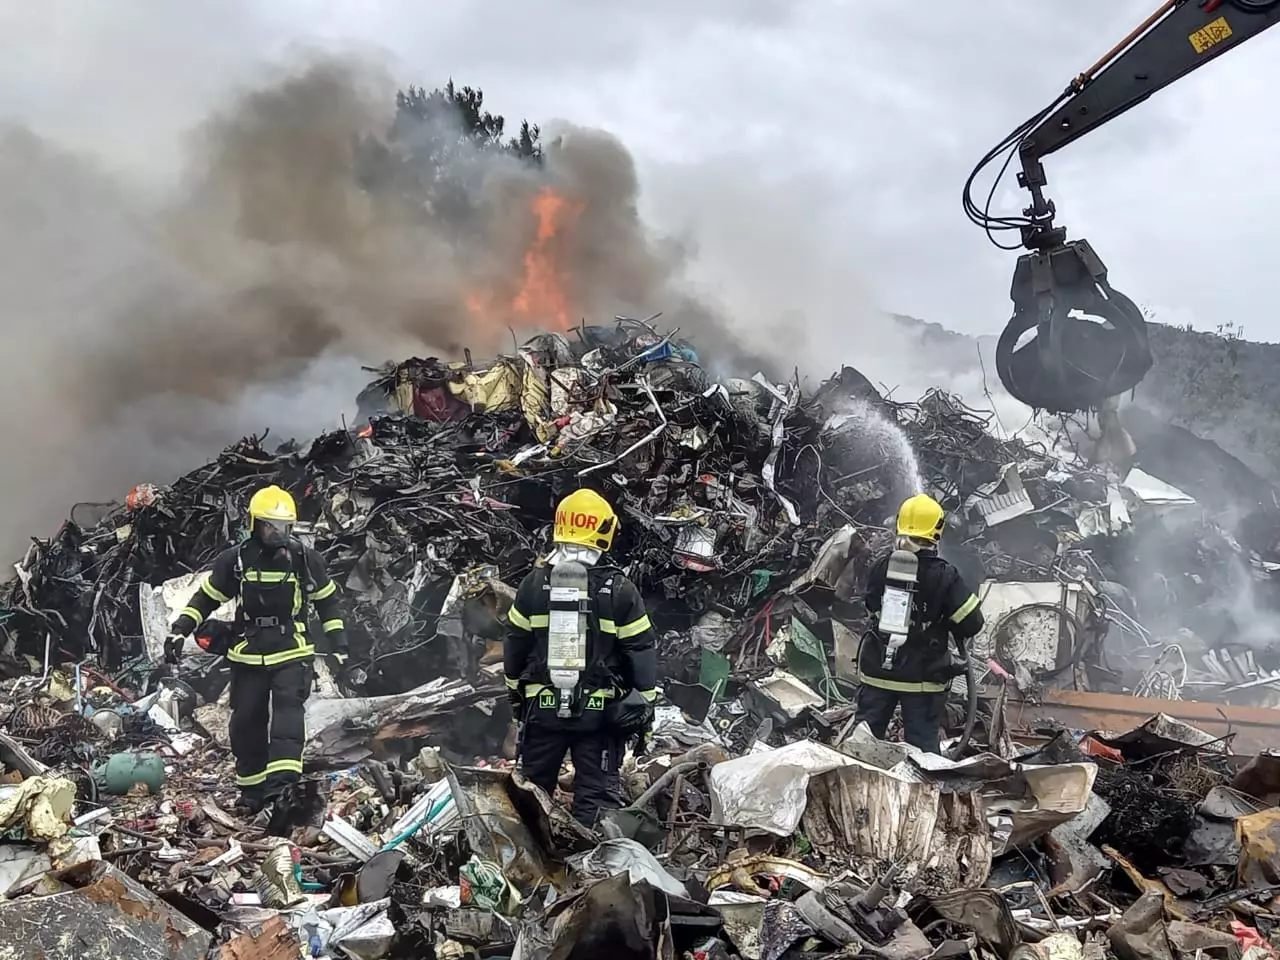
[(944, 606), (621, 652), (271, 584)]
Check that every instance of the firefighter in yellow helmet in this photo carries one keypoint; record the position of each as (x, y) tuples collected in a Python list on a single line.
[(942, 608), (580, 662), (271, 652)]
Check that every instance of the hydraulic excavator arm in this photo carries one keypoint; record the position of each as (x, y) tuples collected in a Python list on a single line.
[(1090, 340)]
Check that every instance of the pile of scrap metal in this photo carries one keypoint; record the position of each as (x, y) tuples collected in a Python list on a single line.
[(765, 825), (751, 513), (1157, 843), (441, 500)]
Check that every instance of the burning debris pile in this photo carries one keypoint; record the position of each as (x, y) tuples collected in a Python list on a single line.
[(763, 824)]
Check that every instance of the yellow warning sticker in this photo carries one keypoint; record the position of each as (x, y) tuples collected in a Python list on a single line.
[(1210, 35)]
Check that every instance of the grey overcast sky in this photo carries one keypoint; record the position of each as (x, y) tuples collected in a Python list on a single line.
[(856, 122)]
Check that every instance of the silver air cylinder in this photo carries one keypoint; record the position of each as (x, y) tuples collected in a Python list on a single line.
[(567, 631), (895, 608)]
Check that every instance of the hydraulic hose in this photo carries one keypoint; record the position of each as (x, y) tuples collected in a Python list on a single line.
[(970, 712)]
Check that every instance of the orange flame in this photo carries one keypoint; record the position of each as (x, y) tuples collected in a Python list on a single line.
[(543, 298)]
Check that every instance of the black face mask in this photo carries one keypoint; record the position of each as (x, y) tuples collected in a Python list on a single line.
[(272, 535)]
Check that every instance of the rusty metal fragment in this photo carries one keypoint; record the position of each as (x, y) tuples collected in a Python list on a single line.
[(103, 915)]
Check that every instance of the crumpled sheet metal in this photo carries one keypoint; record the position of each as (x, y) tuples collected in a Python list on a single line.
[(1041, 797), (1141, 933), (351, 730), (1073, 860), (105, 916), (623, 856), (1213, 834), (273, 941), (767, 790), (41, 805), (869, 815), (611, 918), (1259, 837), (985, 912), (738, 873), (1161, 734), (497, 830)]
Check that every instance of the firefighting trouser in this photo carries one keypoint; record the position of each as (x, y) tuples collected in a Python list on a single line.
[(596, 751), (921, 714), (267, 725)]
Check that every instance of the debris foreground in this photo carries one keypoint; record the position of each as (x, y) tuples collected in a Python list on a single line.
[(1092, 804)]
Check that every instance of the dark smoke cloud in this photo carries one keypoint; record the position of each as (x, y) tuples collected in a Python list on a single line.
[(142, 338)]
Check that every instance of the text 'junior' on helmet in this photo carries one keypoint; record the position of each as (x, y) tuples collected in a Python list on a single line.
[(921, 517), (584, 518)]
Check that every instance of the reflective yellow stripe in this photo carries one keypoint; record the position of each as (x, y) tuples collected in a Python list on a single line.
[(297, 653), (540, 620), (331, 625), (513, 683), (518, 619), (212, 592), (275, 766), (237, 655), (634, 628), (608, 626), (193, 613), (303, 649), (966, 608), (650, 695), (899, 686), (268, 576), (325, 592)]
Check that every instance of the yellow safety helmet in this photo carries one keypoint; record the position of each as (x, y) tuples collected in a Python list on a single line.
[(921, 517), (585, 518), (272, 514), (273, 504)]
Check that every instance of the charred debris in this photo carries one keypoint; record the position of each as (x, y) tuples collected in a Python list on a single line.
[(1110, 792)]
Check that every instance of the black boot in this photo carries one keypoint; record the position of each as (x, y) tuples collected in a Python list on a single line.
[(250, 802)]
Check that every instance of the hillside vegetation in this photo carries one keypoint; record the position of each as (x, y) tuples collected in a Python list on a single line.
[(1221, 387)]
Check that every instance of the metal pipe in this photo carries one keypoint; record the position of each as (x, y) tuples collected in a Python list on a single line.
[(656, 787)]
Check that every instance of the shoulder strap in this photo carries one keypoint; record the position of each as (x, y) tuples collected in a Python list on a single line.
[(602, 602), (301, 569)]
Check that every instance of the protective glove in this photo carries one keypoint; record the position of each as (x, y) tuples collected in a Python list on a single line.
[(173, 648), (517, 701), (347, 673), (642, 743), (354, 675), (339, 652)]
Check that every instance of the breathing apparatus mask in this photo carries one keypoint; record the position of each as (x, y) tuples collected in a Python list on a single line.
[(272, 534)]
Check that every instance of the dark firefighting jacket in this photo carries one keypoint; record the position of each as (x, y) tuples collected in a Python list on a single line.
[(620, 643), (273, 587), (943, 607)]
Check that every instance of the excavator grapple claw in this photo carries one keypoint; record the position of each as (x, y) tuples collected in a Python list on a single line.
[(1090, 340)]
